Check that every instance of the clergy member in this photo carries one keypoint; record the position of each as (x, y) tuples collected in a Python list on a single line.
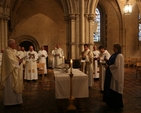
[(20, 55), (114, 79), (103, 57), (10, 76), (42, 54), (87, 63), (95, 61), (58, 55), (31, 65)]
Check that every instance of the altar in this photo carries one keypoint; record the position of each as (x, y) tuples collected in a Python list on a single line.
[(79, 84)]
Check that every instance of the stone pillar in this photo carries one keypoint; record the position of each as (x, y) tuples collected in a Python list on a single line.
[(82, 25), (86, 29), (2, 43), (91, 19), (72, 18), (6, 30)]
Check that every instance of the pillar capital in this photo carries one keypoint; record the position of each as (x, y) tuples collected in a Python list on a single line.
[(91, 16)]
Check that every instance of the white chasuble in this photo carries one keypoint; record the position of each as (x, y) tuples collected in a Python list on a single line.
[(31, 66), (58, 56), (11, 78)]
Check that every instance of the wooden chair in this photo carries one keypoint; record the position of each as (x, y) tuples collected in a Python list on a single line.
[(40, 68), (127, 62), (138, 68)]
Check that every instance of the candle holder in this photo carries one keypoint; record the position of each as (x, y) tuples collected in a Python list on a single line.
[(71, 99)]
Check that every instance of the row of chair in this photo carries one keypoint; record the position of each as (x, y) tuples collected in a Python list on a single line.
[(131, 61)]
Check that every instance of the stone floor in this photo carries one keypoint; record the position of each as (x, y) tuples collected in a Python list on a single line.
[(39, 97)]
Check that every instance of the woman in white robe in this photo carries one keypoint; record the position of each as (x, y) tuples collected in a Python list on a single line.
[(114, 79)]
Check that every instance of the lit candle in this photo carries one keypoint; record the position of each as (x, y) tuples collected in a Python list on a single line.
[(63, 60), (71, 63)]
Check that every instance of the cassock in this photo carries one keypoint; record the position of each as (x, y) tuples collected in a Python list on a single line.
[(87, 65), (42, 54), (95, 63), (31, 66), (58, 54), (102, 68), (11, 78), (114, 81)]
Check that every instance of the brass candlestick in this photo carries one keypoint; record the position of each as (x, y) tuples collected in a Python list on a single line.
[(71, 99)]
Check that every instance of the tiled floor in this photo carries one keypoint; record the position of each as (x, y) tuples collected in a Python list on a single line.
[(39, 97)]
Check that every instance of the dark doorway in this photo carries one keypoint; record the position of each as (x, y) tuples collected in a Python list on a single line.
[(26, 45), (46, 48)]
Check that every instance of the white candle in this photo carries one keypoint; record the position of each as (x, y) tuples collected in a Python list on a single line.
[(63, 60), (71, 63)]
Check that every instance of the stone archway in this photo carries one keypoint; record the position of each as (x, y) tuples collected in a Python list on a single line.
[(26, 41)]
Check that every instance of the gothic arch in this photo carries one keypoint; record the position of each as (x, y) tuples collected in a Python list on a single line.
[(31, 39)]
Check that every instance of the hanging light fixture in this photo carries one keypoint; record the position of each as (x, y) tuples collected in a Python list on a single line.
[(127, 8)]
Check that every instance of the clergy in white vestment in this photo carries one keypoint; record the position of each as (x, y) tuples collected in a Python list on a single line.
[(104, 55), (58, 55), (10, 75), (53, 58), (20, 55), (87, 64), (42, 54), (24, 54), (96, 54), (31, 65), (114, 79), (1, 53)]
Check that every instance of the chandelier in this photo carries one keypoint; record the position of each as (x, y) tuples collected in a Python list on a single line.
[(127, 8)]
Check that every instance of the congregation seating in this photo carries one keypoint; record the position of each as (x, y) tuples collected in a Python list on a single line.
[(131, 61), (138, 69)]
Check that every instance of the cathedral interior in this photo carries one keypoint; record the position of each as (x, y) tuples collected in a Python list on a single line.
[(72, 23)]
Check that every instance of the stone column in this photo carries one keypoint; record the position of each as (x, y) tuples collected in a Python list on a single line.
[(82, 25), (6, 30), (86, 29), (72, 18), (91, 19), (2, 43)]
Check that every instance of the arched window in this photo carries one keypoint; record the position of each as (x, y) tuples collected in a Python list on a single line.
[(96, 28)]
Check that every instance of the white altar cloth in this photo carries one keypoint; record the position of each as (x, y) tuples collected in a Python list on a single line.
[(79, 84)]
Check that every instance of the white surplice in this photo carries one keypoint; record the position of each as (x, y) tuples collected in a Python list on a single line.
[(31, 66), (87, 66), (42, 54), (102, 68), (10, 78), (95, 63), (58, 59), (117, 70)]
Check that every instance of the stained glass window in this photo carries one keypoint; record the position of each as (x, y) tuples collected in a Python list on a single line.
[(139, 28), (96, 24)]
